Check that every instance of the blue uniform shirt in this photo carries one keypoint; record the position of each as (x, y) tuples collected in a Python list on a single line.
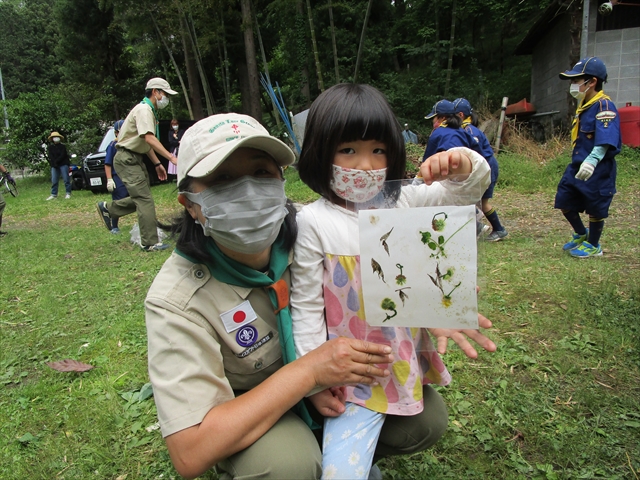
[(599, 125), (484, 147), (444, 138)]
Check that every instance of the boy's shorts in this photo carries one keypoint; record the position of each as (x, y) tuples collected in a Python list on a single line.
[(593, 196), (493, 164)]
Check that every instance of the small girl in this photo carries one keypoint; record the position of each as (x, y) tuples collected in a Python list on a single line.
[(353, 143)]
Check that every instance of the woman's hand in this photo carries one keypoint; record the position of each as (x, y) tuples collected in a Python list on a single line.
[(347, 361), (330, 402), (443, 165), (460, 337)]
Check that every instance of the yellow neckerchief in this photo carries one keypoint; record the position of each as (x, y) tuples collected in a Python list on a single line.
[(575, 125), (466, 122)]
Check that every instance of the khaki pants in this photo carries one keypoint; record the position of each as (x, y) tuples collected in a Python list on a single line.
[(133, 173), (290, 450)]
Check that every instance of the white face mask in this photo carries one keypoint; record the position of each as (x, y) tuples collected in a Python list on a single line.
[(175, 127), (56, 139), (163, 102), (357, 186), (575, 92), (244, 215)]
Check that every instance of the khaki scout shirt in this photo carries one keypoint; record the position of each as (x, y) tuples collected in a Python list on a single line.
[(138, 123), (194, 363)]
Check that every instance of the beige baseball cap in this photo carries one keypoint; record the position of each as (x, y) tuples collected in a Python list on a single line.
[(160, 84), (209, 142)]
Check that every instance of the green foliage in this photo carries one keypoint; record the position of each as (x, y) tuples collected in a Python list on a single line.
[(557, 400), (33, 116), (28, 38)]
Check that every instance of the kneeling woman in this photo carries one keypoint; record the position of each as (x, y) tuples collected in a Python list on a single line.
[(218, 354)]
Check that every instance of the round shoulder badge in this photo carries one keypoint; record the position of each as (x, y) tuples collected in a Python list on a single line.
[(247, 336)]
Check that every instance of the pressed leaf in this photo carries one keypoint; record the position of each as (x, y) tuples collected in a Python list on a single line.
[(69, 365)]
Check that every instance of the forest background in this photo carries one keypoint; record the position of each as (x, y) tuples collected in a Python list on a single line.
[(76, 66)]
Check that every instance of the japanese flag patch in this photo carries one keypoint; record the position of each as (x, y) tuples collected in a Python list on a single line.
[(238, 316)]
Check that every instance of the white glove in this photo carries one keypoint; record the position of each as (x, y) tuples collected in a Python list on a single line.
[(111, 185), (585, 172)]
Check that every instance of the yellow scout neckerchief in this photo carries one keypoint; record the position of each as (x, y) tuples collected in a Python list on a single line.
[(466, 122), (575, 125)]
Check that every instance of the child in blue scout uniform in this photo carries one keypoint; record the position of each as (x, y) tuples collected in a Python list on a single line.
[(463, 110), (446, 132), (589, 182), (114, 184)]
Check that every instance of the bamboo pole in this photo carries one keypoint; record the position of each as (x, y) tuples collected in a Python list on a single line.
[(175, 65), (503, 112)]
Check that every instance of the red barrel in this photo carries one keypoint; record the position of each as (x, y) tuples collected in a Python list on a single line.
[(630, 125)]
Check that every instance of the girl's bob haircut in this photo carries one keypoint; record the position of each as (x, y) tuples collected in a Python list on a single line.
[(345, 113)]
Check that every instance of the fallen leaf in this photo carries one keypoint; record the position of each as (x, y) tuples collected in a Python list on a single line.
[(69, 365), (563, 306)]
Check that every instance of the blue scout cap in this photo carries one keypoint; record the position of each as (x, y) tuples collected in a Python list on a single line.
[(462, 105), (443, 107), (592, 66)]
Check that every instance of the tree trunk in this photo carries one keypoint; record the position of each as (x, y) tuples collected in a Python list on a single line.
[(361, 46), (192, 75), (276, 115), (333, 43), (451, 42), (175, 66), (304, 72), (255, 108), (211, 108), (315, 48), (225, 67)]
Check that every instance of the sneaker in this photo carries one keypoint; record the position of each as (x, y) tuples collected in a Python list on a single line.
[(115, 230), (67, 196), (576, 241), (155, 248), (2, 234), (496, 235), (104, 214), (586, 250), (52, 197)]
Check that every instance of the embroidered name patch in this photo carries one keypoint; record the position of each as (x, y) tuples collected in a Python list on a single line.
[(247, 336), (238, 316), (256, 345), (607, 115)]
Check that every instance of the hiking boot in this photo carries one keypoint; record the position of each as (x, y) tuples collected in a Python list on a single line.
[(67, 196), (496, 235), (155, 248), (52, 197), (576, 241), (586, 250), (104, 214)]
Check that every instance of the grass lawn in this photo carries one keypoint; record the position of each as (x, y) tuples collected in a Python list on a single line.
[(559, 399)]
